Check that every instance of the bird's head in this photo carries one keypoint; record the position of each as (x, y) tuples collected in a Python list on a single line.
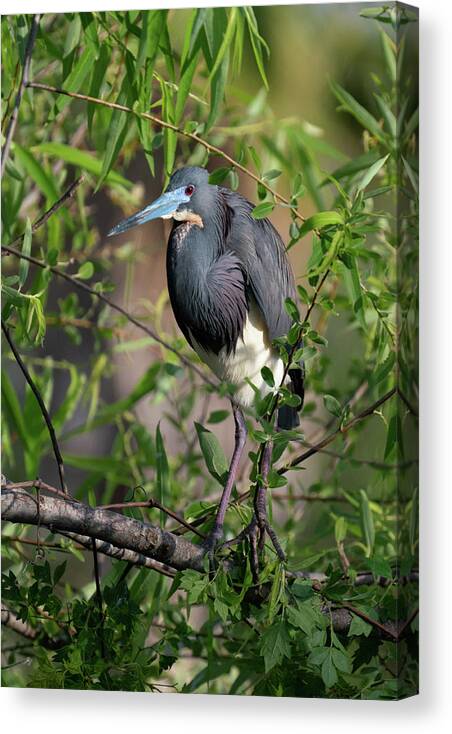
[(187, 198)]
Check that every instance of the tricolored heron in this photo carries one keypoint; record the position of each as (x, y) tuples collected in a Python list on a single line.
[(228, 279)]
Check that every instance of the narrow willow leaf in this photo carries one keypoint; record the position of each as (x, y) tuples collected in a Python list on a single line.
[(82, 159), (340, 529), (389, 53), (365, 118), (13, 410), (226, 42), (97, 78), (372, 172), (411, 175), (107, 413), (383, 370), (26, 249), (353, 285), (217, 88), (367, 522), (185, 86), (163, 481), (356, 165), (76, 78), (44, 181), (257, 42)]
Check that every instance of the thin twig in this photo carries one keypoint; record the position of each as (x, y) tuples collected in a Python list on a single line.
[(152, 503), (341, 430), (44, 411), (23, 84), (84, 287), (169, 126), (68, 194)]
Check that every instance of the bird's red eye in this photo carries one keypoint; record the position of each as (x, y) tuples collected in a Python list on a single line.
[(189, 190)]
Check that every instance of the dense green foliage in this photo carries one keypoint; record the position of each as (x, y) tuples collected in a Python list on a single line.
[(356, 509)]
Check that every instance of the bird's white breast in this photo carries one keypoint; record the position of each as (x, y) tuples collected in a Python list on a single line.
[(253, 351)]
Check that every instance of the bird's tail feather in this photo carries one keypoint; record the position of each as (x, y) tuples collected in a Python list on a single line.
[(288, 417)]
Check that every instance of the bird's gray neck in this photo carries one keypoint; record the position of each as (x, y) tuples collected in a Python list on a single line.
[(192, 250)]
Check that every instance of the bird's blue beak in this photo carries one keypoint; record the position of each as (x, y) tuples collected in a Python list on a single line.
[(164, 207)]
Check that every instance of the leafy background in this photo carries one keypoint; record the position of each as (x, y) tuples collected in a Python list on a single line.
[(318, 104)]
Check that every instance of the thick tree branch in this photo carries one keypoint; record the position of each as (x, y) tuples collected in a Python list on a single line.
[(103, 525)]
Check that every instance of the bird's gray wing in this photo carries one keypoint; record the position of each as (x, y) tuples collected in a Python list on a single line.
[(260, 249), (269, 277)]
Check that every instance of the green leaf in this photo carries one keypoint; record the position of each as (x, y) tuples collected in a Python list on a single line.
[(218, 416), (217, 88), (226, 42), (319, 220), (340, 529), (367, 522), (82, 159), (380, 567), (74, 81), (213, 453), (383, 370), (162, 479), (86, 271), (144, 386), (354, 166), (42, 179), (262, 210), (272, 174), (353, 285), (267, 376), (359, 627), (11, 405), (365, 118), (328, 671), (117, 132), (332, 405), (372, 172), (340, 660), (303, 617), (26, 249), (275, 645), (257, 42)]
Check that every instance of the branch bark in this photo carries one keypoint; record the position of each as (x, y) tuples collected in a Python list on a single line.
[(102, 525)]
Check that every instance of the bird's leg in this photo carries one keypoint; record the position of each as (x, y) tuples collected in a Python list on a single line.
[(255, 531), (216, 533), (260, 504)]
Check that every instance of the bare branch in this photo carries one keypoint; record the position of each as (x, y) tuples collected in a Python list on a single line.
[(122, 532)]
